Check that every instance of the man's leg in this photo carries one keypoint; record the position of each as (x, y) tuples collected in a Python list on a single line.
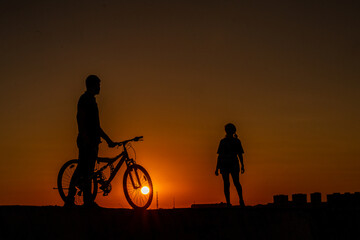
[(88, 196), (91, 156), (72, 190)]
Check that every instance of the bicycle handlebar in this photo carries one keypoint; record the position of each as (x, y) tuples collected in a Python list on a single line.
[(135, 139)]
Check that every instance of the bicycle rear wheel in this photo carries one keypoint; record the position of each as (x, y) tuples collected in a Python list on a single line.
[(64, 178), (138, 187)]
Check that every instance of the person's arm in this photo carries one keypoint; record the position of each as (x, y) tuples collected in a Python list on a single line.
[(83, 124), (219, 151), (240, 154), (107, 139), (242, 163), (217, 167)]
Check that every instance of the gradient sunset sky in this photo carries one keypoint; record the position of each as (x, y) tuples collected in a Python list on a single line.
[(286, 73)]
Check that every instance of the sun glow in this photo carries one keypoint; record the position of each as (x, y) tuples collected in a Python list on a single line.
[(145, 190)]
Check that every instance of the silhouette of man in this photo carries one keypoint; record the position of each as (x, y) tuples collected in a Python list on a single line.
[(229, 150), (88, 141)]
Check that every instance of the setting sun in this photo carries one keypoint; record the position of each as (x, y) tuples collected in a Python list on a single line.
[(286, 75), (145, 190)]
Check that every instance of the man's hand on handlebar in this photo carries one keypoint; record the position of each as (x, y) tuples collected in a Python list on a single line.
[(138, 138)]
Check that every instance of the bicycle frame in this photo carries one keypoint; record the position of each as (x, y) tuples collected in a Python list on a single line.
[(124, 157)]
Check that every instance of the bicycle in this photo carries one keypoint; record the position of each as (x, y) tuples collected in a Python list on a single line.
[(137, 184)]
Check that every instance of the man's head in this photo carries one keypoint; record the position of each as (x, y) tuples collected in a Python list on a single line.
[(93, 84)]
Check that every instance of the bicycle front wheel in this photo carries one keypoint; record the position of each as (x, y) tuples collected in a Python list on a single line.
[(64, 178), (138, 187)]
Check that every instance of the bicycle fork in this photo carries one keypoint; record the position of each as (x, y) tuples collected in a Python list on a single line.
[(138, 185)]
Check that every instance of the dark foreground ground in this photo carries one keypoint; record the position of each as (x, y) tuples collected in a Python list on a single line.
[(22, 222)]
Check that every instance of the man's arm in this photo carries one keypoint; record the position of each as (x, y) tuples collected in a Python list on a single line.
[(83, 125), (107, 139)]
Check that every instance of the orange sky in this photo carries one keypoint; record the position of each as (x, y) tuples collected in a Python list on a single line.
[(287, 75)]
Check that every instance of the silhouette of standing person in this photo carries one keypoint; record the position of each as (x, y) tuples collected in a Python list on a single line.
[(230, 149), (88, 141)]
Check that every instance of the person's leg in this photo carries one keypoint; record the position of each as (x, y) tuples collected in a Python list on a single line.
[(235, 177), (91, 156), (77, 175), (225, 176), (72, 190), (87, 186)]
